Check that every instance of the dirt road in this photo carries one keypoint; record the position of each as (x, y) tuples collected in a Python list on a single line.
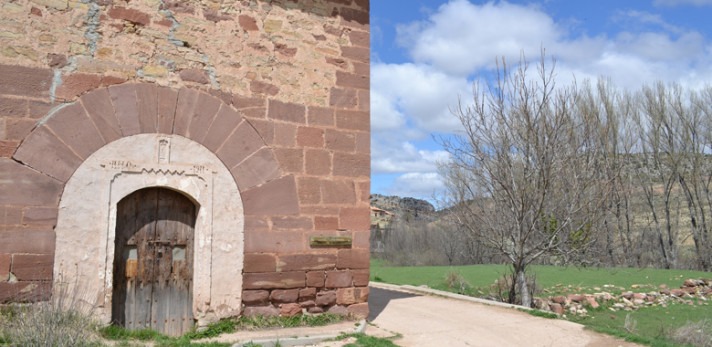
[(436, 321)]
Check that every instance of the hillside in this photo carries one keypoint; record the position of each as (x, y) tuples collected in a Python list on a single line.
[(403, 206)]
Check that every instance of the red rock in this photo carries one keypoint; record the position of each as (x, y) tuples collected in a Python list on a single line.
[(690, 283), (639, 296), (358, 310), (259, 87), (339, 279), (664, 292), (340, 310), (628, 295), (255, 297), (326, 298), (575, 297), (556, 308), (316, 310), (307, 304), (591, 301), (307, 294), (284, 296), (129, 14), (560, 299), (677, 292), (247, 23), (315, 278), (291, 310)]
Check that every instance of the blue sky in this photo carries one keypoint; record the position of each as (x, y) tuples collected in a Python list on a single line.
[(426, 53)]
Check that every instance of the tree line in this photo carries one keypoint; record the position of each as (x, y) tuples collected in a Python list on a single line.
[(586, 174)]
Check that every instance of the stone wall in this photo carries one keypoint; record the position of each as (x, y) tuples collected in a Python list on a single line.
[(289, 77)]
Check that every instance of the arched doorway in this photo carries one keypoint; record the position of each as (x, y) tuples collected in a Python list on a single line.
[(153, 261)]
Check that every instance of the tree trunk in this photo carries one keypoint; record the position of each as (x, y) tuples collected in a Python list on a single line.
[(523, 288)]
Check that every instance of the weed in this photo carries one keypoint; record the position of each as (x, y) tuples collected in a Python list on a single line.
[(630, 324), (698, 334), (63, 320), (363, 340), (455, 281)]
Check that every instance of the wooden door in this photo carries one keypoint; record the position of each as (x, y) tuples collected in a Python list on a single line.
[(153, 261)]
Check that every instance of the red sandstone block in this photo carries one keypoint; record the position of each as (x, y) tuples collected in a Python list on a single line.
[(99, 108), (354, 15), (317, 162), (32, 267), (5, 261), (123, 97), (340, 140), (247, 23), (206, 108), (255, 297), (274, 280), (25, 291), (25, 81), (37, 241), (319, 210), (43, 151), (254, 112), (13, 107), (287, 112), (129, 14), (360, 38), (326, 298), (285, 134), (361, 69), (349, 296), (352, 165), (320, 116), (290, 159), (10, 215), (147, 104), (194, 75), (361, 239), (285, 50), (310, 137), (7, 148), (354, 218), (256, 223), (274, 241), (292, 223), (364, 191), (309, 190), (16, 129), (265, 128), (21, 185), (166, 105), (361, 278), (358, 310), (43, 216), (315, 278), (187, 100), (260, 262), (77, 84), (243, 142), (301, 262), (338, 62), (307, 293), (326, 223), (225, 122), (74, 127), (290, 310), (349, 80), (343, 98), (339, 279), (39, 109), (338, 192), (353, 259), (363, 143), (225, 97), (266, 311), (279, 296), (275, 197), (364, 100), (259, 87), (240, 102), (257, 169), (353, 120), (359, 54)]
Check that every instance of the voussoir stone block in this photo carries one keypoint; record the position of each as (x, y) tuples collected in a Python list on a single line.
[(123, 98), (74, 127), (187, 100), (167, 100), (101, 111), (147, 104), (22, 185), (206, 108), (43, 151), (226, 120), (243, 142), (257, 169)]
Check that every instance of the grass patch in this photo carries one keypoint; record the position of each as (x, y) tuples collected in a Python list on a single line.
[(363, 340), (538, 313), (653, 325), (215, 329)]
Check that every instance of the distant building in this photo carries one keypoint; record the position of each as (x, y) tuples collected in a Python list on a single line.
[(380, 222)]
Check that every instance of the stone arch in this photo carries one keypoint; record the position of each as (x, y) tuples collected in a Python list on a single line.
[(138, 116)]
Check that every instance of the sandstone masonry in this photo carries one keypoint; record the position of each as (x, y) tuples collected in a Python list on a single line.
[(277, 90)]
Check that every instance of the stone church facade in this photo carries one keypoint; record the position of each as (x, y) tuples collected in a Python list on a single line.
[(215, 152)]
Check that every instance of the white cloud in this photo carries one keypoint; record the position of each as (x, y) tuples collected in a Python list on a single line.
[(423, 185), (403, 157), (421, 92)]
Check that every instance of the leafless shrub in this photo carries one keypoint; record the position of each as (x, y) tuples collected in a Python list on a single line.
[(63, 320), (698, 334), (455, 281)]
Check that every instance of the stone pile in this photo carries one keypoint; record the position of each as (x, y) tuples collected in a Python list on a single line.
[(576, 304)]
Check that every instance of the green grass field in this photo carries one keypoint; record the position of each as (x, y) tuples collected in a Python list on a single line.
[(648, 325)]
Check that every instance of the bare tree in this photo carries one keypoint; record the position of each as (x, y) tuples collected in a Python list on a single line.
[(522, 173)]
